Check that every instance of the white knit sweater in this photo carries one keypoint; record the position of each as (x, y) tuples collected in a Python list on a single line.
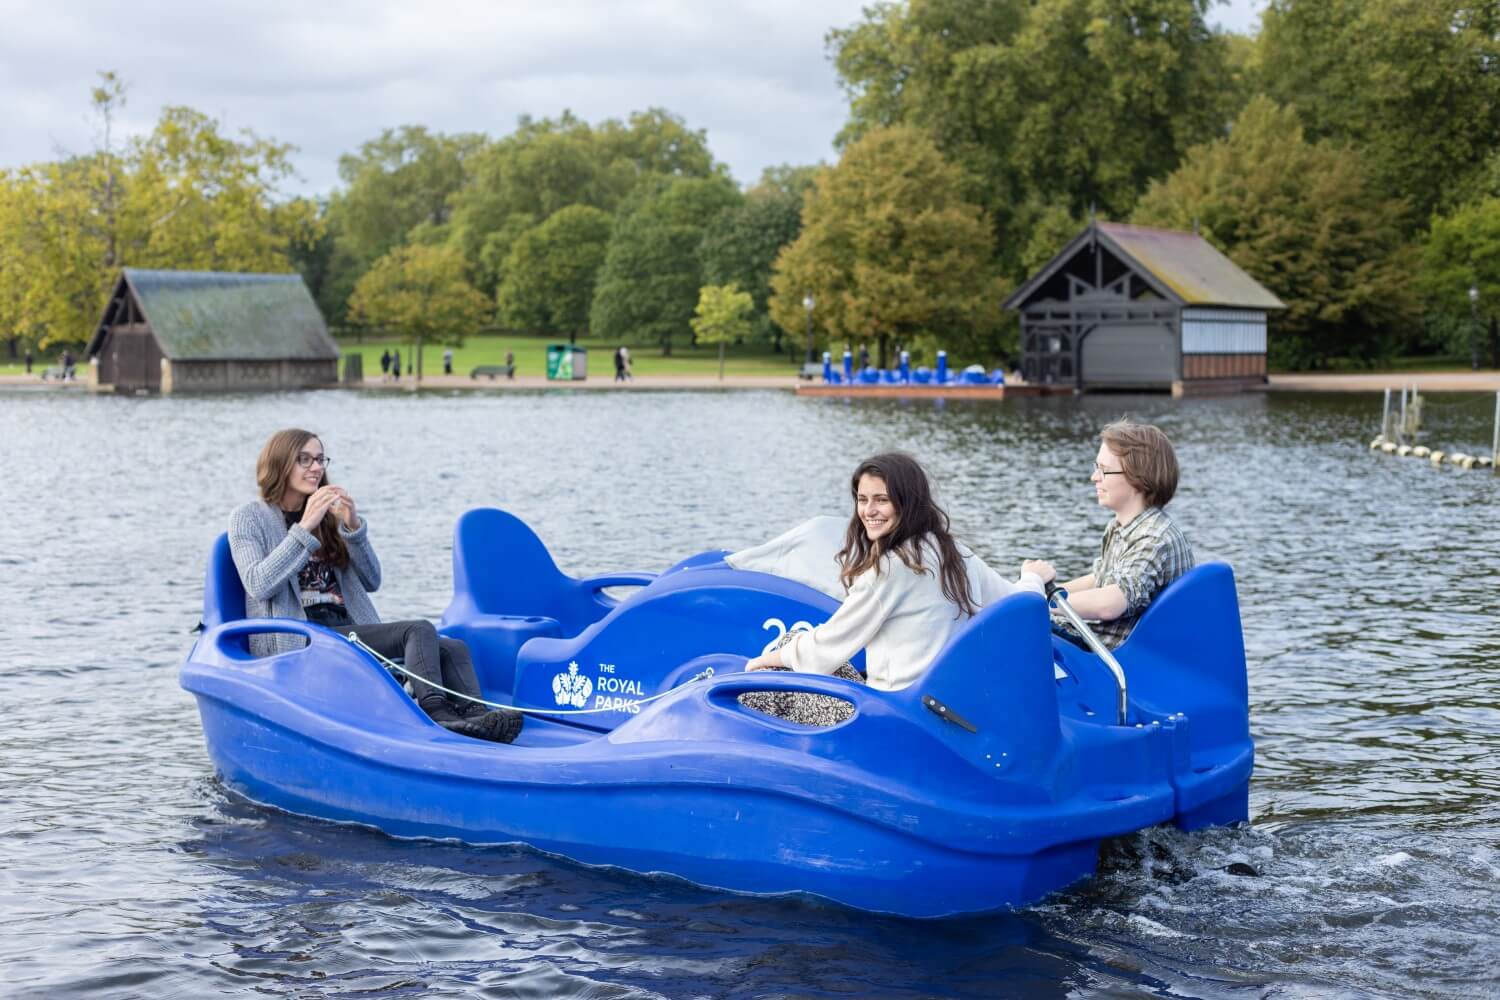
[(899, 618)]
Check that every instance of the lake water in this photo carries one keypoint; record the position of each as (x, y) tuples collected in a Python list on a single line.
[(1368, 586)]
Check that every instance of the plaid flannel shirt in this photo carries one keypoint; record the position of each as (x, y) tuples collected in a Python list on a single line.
[(1140, 558)]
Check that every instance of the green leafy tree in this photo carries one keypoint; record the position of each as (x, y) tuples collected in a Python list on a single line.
[(1078, 103), (420, 293), (648, 286), (1412, 84), (402, 178), (741, 246), (1054, 226), (891, 249), (549, 275), (1462, 252), (495, 251), (788, 179), (722, 317), (548, 164), (1303, 219)]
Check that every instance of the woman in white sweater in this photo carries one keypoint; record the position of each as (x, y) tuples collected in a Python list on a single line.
[(910, 588)]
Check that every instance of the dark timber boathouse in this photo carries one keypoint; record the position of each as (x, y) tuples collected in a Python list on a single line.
[(207, 331), (1129, 307)]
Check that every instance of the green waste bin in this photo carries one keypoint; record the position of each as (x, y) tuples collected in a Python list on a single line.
[(567, 362)]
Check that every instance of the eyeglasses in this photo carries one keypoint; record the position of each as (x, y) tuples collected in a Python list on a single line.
[(1107, 472), (306, 461)]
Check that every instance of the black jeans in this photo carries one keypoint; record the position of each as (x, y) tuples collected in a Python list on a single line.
[(427, 655)]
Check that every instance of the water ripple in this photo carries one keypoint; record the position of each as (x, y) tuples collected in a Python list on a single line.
[(1369, 586)]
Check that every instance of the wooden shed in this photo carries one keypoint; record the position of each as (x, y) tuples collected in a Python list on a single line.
[(207, 331), (1131, 307)]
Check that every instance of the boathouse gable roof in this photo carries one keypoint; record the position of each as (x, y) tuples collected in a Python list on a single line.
[(219, 316), (1182, 267)]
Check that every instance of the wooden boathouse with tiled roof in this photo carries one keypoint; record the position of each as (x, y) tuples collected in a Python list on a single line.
[(1137, 308), (208, 331)]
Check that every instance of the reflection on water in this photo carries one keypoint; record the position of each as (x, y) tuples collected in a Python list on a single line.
[(1368, 587)]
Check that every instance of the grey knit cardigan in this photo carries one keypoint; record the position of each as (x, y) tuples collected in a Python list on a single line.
[(269, 555)]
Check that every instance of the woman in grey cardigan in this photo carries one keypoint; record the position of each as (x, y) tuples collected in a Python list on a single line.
[(303, 551)]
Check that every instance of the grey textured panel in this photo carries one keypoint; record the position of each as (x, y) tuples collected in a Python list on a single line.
[(1138, 354)]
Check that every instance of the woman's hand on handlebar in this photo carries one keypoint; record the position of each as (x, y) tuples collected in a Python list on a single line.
[(1041, 568)]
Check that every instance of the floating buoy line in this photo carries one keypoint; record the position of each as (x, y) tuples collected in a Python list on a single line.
[(1397, 426)]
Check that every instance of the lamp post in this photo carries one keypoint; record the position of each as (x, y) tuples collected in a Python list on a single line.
[(807, 303), (1474, 327)]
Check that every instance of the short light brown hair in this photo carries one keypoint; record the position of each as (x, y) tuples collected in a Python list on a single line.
[(1146, 457)]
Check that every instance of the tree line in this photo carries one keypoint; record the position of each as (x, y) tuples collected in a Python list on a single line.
[(1347, 156)]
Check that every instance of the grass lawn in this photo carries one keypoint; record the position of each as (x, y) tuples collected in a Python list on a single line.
[(531, 357), (1430, 363)]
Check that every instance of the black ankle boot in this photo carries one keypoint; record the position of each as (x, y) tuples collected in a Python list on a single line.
[(439, 709), (468, 709), (499, 726)]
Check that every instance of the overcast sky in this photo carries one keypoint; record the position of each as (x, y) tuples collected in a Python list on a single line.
[(326, 75)]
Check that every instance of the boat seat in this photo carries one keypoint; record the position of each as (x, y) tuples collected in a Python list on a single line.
[(508, 590), (223, 594), (650, 644), (1185, 654)]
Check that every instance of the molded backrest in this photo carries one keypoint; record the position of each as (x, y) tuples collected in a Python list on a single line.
[(223, 594), (1187, 653), (996, 673), (503, 567)]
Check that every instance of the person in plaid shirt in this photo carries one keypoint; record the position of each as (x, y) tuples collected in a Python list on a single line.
[(1135, 476)]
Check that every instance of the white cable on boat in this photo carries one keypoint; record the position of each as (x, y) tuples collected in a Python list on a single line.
[(392, 665)]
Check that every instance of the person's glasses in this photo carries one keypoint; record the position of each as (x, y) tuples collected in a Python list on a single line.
[(1107, 472), (306, 461)]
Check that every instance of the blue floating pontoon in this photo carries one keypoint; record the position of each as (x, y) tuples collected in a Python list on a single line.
[(987, 784)]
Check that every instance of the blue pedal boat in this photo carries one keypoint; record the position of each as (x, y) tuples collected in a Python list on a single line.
[(985, 785)]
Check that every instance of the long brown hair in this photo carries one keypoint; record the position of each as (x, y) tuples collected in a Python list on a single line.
[(918, 517), (274, 469)]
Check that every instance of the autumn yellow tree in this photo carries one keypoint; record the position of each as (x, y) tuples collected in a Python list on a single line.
[(723, 314), (184, 197), (891, 249)]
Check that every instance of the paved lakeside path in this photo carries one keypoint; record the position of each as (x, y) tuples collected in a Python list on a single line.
[(598, 384), (1482, 381)]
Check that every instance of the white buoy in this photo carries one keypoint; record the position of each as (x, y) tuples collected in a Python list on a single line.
[(1403, 450), (1389, 447), (1484, 461), (1436, 458), (1421, 451), (1379, 440), (1467, 462)]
